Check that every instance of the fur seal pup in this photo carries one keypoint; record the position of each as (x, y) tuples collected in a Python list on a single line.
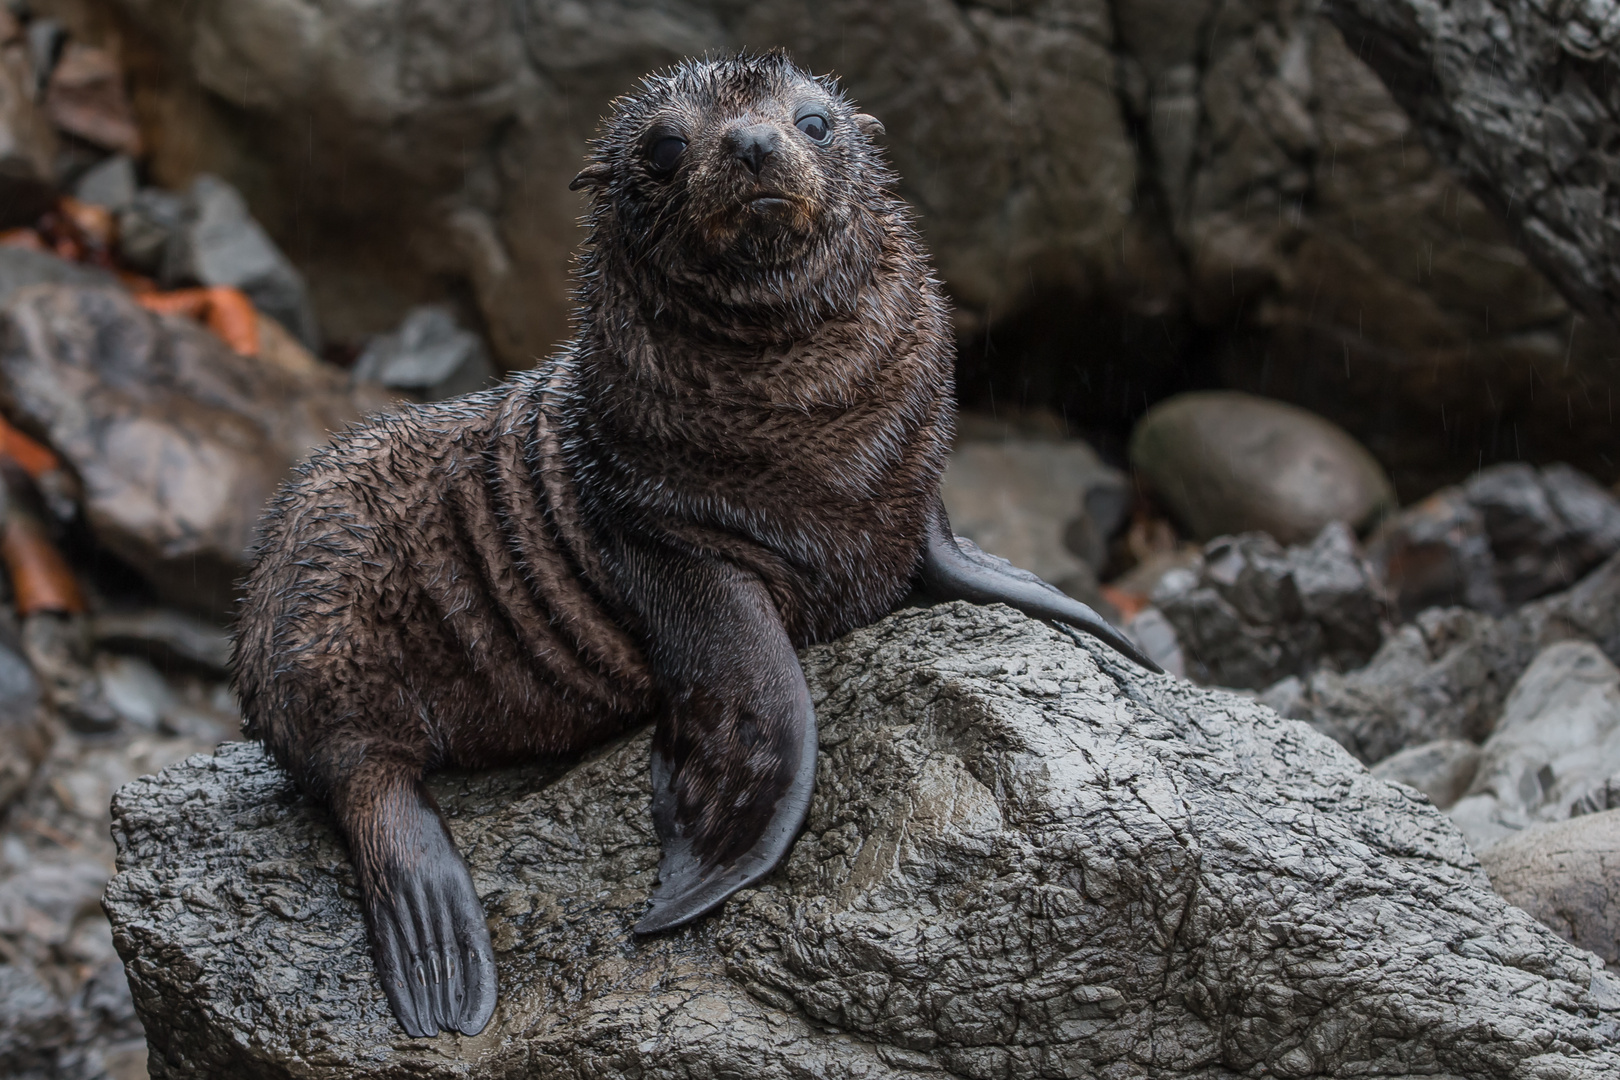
[(737, 454)]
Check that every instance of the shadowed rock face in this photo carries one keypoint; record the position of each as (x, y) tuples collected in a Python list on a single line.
[(1018, 864), (178, 441)]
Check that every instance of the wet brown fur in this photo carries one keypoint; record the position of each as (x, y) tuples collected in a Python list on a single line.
[(766, 390)]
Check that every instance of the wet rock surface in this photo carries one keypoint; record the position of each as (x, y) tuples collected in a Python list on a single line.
[(1017, 863), (1252, 612), (1233, 463), (178, 440)]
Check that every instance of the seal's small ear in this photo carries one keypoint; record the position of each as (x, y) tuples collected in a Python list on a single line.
[(869, 124), (595, 175)]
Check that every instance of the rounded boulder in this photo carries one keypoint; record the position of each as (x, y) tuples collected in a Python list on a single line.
[(1227, 462)]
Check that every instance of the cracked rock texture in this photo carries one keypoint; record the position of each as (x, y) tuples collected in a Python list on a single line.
[(1518, 96), (1024, 859)]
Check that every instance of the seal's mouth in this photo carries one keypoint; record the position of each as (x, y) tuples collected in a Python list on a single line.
[(768, 200)]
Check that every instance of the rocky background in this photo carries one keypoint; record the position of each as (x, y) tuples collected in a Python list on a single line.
[(1241, 366)]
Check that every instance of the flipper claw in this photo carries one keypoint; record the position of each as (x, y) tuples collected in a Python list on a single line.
[(428, 934)]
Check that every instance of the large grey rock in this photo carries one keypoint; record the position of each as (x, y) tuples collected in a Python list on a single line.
[(20, 268), (1564, 873), (177, 440), (1025, 500), (1018, 864), (1558, 739), (1251, 613), (1226, 462)]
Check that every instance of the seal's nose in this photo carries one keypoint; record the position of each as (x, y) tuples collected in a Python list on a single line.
[(753, 144)]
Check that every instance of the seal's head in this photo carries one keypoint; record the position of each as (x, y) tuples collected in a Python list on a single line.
[(741, 180)]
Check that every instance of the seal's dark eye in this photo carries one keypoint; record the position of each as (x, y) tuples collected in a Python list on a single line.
[(815, 126), (665, 153)]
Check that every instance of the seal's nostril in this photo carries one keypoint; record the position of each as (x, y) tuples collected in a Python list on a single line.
[(752, 145)]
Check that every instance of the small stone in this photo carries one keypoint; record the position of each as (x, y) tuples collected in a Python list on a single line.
[(146, 225), (111, 183), (1442, 769), (134, 690), (85, 97), (1225, 462), (1563, 874), (45, 900), (45, 38), (58, 649), (218, 242), (429, 354), (34, 1023), (1252, 612), (1023, 499), (1437, 554), (1558, 740)]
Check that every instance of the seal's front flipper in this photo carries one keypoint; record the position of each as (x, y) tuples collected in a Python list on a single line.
[(428, 934), (950, 573), (703, 863), (734, 755)]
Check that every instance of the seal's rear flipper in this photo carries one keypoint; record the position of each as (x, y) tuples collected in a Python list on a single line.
[(734, 754), (428, 935), (949, 573)]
